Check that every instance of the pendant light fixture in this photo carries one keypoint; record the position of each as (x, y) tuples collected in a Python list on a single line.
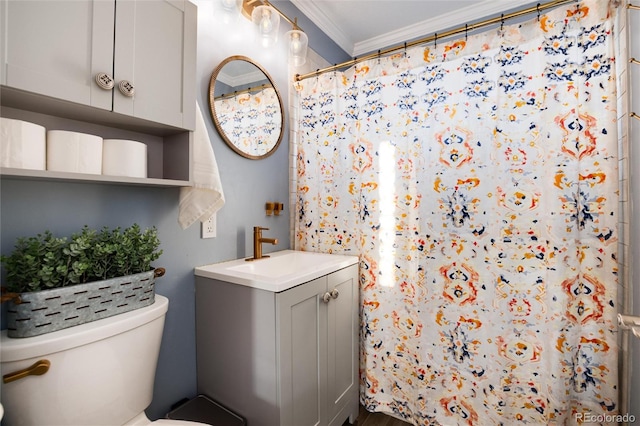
[(267, 21), (298, 42), (266, 18)]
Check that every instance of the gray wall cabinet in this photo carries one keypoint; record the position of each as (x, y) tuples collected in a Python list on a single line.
[(288, 358), (52, 51), (57, 49)]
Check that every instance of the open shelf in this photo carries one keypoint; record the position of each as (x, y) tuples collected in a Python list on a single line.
[(168, 153), (6, 172)]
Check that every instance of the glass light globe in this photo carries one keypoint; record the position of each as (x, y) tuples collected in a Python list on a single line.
[(298, 42), (267, 22)]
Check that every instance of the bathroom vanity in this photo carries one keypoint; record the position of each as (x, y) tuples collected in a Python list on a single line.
[(277, 338)]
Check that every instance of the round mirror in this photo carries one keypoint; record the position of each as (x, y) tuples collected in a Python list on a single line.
[(246, 107)]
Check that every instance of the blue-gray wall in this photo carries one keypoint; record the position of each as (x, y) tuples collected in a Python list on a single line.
[(29, 207)]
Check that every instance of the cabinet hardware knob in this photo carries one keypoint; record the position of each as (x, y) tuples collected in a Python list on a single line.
[(104, 81), (334, 293), (326, 297), (126, 88)]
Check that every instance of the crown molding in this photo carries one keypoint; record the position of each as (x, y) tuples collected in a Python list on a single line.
[(326, 24), (474, 13), (444, 22), (240, 79)]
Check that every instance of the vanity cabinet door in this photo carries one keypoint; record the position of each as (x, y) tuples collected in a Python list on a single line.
[(303, 381), (155, 54), (342, 344), (55, 48), (318, 323)]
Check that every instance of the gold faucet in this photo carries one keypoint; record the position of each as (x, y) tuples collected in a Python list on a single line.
[(257, 243)]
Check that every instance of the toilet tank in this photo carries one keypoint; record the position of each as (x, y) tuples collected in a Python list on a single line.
[(101, 372)]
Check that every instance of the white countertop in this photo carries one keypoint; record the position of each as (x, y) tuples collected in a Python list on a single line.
[(279, 272)]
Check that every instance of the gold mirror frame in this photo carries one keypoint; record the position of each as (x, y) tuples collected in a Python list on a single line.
[(212, 100)]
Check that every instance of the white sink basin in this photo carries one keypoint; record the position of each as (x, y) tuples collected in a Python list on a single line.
[(279, 272)]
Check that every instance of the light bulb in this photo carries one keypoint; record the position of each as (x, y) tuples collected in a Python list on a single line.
[(295, 44), (298, 42), (267, 22), (266, 26)]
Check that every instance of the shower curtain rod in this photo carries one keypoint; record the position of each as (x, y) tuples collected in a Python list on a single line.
[(239, 92), (435, 37)]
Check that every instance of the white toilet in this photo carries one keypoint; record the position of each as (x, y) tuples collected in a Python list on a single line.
[(100, 373)]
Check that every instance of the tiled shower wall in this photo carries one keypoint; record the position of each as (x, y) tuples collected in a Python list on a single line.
[(629, 101), (314, 62), (624, 289)]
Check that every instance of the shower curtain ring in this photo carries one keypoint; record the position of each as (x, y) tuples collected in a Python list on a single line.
[(466, 32), (502, 22), (538, 10)]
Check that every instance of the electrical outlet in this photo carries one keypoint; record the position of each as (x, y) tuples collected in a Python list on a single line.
[(209, 227)]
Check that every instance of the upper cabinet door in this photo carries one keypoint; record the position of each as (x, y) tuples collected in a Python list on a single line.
[(55, 48), (155, 56), (58, 47)]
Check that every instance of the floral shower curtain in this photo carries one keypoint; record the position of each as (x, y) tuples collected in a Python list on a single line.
[(477, 180)]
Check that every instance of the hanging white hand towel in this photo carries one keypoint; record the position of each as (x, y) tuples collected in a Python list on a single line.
[(202, 200)]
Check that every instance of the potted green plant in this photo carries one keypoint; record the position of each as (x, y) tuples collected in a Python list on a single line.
[(54, 283)]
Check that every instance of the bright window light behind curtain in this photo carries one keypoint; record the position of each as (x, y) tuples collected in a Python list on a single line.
[(477, 180)]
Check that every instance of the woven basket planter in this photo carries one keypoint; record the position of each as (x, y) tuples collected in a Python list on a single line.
[(39, 312)]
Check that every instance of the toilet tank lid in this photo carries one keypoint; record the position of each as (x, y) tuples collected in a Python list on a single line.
[(16, 349)]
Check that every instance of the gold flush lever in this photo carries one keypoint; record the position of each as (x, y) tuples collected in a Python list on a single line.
[(37, 369)]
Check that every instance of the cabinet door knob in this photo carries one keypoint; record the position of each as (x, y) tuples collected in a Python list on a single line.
[(326, 297), (334, 293), (126, 88), (104, 81)]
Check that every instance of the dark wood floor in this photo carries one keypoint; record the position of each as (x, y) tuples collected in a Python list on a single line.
[(366, 418)]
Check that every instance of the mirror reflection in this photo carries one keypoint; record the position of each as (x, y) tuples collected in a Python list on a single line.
[(246, 107)]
